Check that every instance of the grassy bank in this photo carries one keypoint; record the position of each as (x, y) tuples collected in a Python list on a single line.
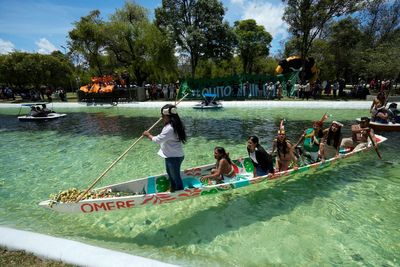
[(24, 259)]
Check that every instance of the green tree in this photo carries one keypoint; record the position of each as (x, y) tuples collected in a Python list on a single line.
[(382, 61), (253, 43), (380, 20), (88, 38), (307, 18), (34, 70), (138, 46), (197, 27), (344, 44)]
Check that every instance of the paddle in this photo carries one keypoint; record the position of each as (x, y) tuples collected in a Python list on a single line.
[(120, 157), (374, 144), (387, 96)]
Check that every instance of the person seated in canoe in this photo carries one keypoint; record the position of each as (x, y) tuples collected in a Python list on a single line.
[(311, 139), (360, 134), (46, 110), (380, 100), (380, 115), (262, 161), (223, 167), (36, 111), (284, 150), (331, 141), (394, 113)]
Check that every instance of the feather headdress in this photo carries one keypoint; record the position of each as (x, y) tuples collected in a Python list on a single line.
[(281, 128)]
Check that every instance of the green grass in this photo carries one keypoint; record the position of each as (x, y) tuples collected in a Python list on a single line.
[(23, 259)]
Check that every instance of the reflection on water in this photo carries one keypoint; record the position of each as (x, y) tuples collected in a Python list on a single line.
[(345, 215)]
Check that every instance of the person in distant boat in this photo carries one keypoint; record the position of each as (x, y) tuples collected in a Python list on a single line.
[(284, 150), (171, 140), (379, 100), (223, 167), (262, 161), (380, 115), (360, 134), (45, 109), (311, 139), (36, 111), (331, 141), (394, 113)]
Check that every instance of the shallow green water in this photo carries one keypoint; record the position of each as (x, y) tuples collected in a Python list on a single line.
[(346, 215)]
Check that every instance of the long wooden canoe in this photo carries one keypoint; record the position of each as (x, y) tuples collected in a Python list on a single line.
[(385, 127), (153, 190)]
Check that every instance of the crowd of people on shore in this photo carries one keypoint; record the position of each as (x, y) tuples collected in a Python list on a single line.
[(41, 94), (314, 145)]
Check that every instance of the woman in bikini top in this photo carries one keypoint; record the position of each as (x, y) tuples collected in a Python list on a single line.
[(223, 167)]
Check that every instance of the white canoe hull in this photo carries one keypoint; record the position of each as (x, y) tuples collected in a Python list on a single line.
[(152, 190)]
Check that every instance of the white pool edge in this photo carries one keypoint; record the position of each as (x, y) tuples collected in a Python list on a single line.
[(311, 104), (71, 252)]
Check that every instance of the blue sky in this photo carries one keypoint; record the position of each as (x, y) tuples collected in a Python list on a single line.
[(42, 25)]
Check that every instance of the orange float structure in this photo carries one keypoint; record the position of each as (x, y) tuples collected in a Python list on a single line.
[(104, 84)]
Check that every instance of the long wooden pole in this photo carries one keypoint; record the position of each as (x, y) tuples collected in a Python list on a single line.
[(120, 157), (374, 144)]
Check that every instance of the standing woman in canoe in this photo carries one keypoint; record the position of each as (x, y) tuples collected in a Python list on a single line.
[(171, 140)]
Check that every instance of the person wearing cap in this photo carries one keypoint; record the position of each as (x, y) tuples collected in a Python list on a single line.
[(311, 139), (171, 140), (393, 113), (331, 141), (262, 161), (360, 134), (284, 150)]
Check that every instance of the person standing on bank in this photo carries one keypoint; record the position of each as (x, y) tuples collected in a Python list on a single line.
[(262, 161), (171, 140)]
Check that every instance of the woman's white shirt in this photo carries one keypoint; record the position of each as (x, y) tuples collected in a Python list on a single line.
[(170, 145), (253, 156)]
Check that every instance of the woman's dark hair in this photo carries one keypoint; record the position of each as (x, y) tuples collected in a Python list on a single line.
[(254, 139), (222, 152), (334, 137), (381, 97), (320, 133), (175, 122)]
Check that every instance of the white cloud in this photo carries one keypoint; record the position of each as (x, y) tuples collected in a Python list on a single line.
[(237, 2), (6, 47), (45, 47), (268, 15)]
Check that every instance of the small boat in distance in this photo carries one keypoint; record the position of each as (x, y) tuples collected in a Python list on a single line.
[(154, 189), (39, 112), (209, 102), (385, 127)]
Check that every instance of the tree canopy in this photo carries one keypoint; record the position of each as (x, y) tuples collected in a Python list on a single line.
[(253, 42), (197, 27)]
